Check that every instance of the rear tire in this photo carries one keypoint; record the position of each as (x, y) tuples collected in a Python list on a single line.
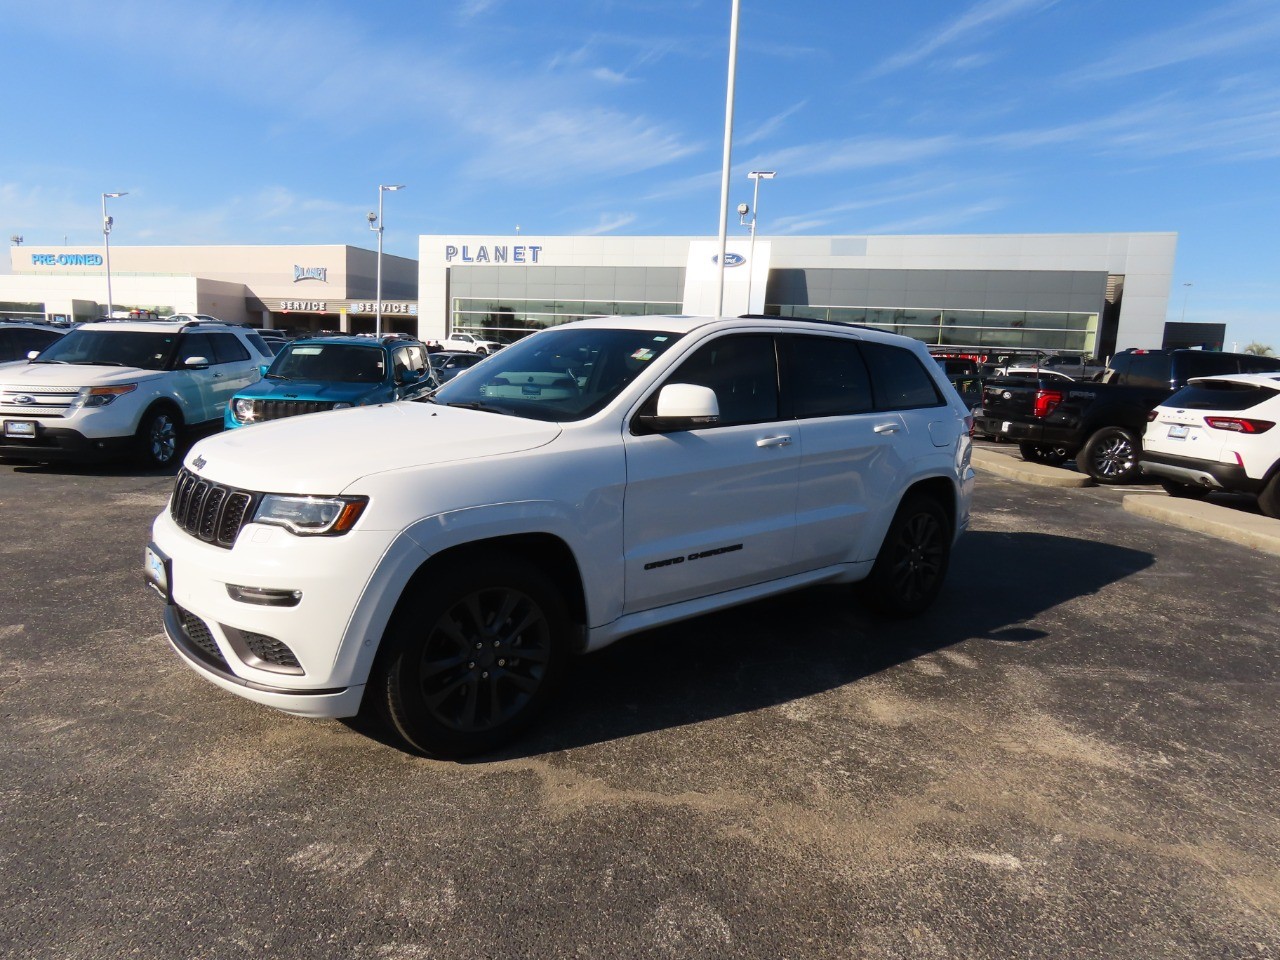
[(912, 564), (1269, 497), (1185, 491), (472, 659), (1050, 454), (1111, 456)]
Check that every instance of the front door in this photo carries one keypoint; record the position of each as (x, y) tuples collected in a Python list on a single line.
[(713, 509)]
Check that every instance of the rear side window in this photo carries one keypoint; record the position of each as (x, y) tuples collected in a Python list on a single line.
[(743, 372), (1150, 371), (1220, 395), (259, 344), (227, 348), (898, 380), (827, 377)]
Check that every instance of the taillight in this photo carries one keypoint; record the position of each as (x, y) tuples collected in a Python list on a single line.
[(1239, 424), (1046, 402), (968, 423), (1151, 417)]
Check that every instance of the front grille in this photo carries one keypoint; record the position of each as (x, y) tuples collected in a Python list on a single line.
[(210, 511), (37, 401), (279, 409), (270, 650), (197, 633)]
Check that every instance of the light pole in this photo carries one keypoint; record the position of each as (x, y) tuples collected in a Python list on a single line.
[(106, 242), (375, 224), (1186, 293), (728, 153), (757, 176)]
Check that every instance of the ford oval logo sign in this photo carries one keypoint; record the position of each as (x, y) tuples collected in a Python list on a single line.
[(731, 259)]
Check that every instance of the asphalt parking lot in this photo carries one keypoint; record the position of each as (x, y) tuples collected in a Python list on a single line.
[(1074, 755)]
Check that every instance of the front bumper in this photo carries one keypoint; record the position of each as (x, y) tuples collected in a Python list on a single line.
[(328, 636), (1200, 473), (206, 661), (63, 443)]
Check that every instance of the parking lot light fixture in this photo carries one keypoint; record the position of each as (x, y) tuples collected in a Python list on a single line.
[(375, 224), (757, 176), (106, 242)]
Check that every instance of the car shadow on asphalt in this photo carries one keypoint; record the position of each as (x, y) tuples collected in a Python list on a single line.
[(779, 650), (122, 467)]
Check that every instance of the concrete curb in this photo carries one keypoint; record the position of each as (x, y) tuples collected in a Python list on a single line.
[(1004, 465), (1246, 529)]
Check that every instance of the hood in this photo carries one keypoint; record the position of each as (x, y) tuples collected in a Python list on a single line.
[(23, 373), (324, 453), (329, 391)]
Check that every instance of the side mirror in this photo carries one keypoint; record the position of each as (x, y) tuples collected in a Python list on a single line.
[(32, 354), (263, 368), (682, 406), (196, 363)]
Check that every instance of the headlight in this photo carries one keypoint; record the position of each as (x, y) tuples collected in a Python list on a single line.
[(311, 516), (341, 406), (243, 410), (103, 396)]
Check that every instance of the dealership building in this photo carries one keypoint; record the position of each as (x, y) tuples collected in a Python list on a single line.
[(304, 288), (1088, 294)]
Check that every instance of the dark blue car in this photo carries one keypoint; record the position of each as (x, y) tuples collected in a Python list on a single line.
[(329, 373)]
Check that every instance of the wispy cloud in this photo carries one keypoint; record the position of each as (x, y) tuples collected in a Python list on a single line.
[(770, 126), (608, 223), (473, 8), (1221, 30), (981, 16), (948, 219)]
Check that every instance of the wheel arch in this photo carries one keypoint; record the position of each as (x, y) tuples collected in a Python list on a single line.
[(162, 402), (942, 489)]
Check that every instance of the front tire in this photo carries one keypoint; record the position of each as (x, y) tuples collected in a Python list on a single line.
[(1051, 455), (912, 564), (474, 658), (158, 437), (1111, 456)]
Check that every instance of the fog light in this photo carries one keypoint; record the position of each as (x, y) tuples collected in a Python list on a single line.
[(264, 597)]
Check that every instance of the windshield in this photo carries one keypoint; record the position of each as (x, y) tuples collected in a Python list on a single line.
[(559, 375), (112, 348), (331, 362)]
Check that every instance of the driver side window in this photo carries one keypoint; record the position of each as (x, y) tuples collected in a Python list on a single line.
[(742, 369)]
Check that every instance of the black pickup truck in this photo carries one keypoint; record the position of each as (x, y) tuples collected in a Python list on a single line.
[(1099, 422)]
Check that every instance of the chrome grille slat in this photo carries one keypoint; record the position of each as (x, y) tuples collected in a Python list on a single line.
[(210, 511)]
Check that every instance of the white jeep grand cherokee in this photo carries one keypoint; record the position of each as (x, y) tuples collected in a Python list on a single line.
[(440, 560), (124, 387)]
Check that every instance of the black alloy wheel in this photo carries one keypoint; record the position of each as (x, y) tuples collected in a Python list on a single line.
[(473, 663), (912, 564), (1111, 456)]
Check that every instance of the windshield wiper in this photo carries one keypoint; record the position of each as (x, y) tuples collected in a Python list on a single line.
[(277, 376), (473, 405), (95, 363), (49, 361)]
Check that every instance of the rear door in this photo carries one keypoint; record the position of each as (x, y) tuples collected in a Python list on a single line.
[(196, 386), (713, 509)]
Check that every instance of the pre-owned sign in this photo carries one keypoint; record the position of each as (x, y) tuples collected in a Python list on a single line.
[(66, 259)]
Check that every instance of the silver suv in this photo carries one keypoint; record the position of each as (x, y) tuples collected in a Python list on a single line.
[(117, 388)]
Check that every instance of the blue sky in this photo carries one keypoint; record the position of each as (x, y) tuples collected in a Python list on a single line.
[(274, 122)]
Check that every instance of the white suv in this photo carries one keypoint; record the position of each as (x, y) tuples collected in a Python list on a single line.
[(469, 343), (1218, 433), (124, 387), (441, 559)]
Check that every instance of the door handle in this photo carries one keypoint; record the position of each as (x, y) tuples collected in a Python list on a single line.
[(886, 428), (774, 442)]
